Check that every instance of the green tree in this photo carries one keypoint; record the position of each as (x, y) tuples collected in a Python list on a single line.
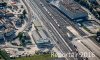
[(20, 35), (21, 17), (21, 39), (24, 12), (4, 55)]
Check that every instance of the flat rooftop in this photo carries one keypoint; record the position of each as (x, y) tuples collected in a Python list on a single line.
[(71, 5), (72, 9), (42, 41)]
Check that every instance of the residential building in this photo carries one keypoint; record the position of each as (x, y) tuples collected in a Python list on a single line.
[(10, 35)]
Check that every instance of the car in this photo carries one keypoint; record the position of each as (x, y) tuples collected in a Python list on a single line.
[(75, 46)]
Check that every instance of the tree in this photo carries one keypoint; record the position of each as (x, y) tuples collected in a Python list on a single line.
[(24, 12), (20, 35), (4, 55), (21, 39), (21, 17)]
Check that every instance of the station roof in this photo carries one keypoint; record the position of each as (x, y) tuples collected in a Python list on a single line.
[(72, 10)]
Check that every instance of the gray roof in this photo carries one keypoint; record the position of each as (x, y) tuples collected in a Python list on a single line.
[(42, 41), (73, 14), (71, 9), (10, 33)]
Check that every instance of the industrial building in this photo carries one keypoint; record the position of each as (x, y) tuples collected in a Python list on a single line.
[(72, 10)]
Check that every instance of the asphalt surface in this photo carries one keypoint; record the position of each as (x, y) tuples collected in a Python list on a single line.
[(29, 16)]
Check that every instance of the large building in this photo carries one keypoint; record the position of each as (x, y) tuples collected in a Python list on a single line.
[(72, 10)]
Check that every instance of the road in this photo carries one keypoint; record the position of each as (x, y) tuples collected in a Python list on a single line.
[(28, 21), (29, 15)]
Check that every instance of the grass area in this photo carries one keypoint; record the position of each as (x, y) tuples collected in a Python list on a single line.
[(37, 57)]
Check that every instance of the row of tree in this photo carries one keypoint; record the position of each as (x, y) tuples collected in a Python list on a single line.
[(4, 55), (91, 6)]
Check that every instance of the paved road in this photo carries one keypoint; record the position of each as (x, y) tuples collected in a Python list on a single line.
[(29, 16)]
